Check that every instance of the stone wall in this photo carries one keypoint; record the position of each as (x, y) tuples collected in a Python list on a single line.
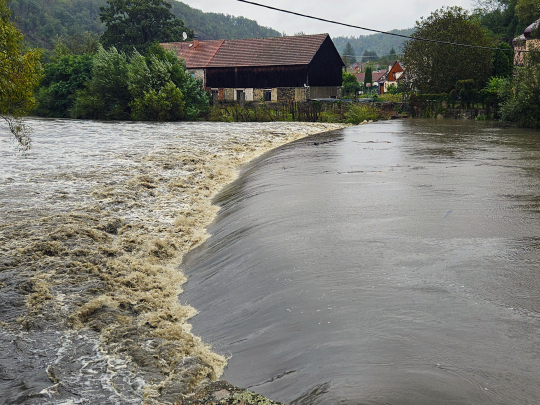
[(285, 94), (228, 94), (258, 94)]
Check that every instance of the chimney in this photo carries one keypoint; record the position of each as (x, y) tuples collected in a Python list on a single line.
[(195, 42)]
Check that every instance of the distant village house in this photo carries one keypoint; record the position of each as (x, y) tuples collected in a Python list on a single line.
[(525, 42), (395, 73), (379, 77), (296, 68)]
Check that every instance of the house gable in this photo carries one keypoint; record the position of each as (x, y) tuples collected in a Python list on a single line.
[(395, 72), (325, 69)]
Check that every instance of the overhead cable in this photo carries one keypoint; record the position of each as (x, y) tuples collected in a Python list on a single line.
[(377, 31)]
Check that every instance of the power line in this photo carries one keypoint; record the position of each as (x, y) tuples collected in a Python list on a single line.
[(374, 30)]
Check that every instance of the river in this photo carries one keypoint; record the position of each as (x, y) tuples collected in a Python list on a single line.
[(391, 263), (94, 222)]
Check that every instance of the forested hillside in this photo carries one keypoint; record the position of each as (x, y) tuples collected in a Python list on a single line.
[(220, 26), (42, 21), (380, 43)]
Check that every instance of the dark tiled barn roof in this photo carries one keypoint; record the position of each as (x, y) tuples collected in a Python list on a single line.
[(284, 51)]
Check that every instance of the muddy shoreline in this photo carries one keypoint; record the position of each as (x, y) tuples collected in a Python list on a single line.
[(95, 222)]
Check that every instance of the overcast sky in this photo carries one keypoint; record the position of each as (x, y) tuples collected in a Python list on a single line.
[(380, 15)]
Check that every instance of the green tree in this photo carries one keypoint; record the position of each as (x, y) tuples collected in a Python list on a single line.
[(392, 53), (20, 73), (137, 24), (528, 11), (368, 78), (76, 44), (350, 85), (435, 68), (63, 78), (348, 54), (520, 96), (107, 95), (503, 60), (369, 56), (151, 87), (500, 18)]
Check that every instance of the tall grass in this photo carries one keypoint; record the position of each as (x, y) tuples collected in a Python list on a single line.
[(361, 112)]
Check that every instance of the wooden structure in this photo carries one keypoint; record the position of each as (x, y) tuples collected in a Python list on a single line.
[(294, 68)]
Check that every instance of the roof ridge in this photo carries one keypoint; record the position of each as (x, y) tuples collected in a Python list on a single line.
[(214, 54)]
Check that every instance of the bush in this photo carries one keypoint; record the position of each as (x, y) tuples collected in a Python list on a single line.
[(351, 86), (64, 76), (154, 87), (165, 105), (361, 112), (520, 97)]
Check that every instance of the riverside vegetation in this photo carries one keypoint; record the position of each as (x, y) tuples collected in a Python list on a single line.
[(124, 74)]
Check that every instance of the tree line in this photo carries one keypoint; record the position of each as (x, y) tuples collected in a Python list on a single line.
[(488, 67)]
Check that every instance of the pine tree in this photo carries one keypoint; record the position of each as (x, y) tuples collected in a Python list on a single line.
[(368, 78), (348, 54)]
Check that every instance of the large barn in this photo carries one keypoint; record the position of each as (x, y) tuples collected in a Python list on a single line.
[(294, 68)]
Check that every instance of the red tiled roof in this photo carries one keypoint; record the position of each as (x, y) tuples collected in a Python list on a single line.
[(195, 57), (376, 75), (285, 51)]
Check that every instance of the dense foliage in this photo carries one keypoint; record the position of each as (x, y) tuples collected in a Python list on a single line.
[(521, 95), (435, 68), (351, 86), (20, 73), (42, 21), (137, 24), (153, 87), (64, 76), (503, 60), (506, 19)]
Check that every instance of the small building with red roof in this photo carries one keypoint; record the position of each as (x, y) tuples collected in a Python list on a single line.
[(295, 68)]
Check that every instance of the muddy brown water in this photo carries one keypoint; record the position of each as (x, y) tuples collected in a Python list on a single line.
[(94, 222), (394, 263)]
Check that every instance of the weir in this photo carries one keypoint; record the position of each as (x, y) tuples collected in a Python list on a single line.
[(95, 220)]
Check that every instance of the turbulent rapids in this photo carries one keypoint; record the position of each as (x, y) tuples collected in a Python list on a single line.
[(95, 221)]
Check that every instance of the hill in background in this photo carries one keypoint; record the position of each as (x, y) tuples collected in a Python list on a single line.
[(42, 21), (379, 43), (220, 26)]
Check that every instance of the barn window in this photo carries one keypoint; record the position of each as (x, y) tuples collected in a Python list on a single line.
[(267, 95)]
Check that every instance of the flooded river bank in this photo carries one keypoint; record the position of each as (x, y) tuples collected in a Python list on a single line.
[(395, 263), (95, 220)]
